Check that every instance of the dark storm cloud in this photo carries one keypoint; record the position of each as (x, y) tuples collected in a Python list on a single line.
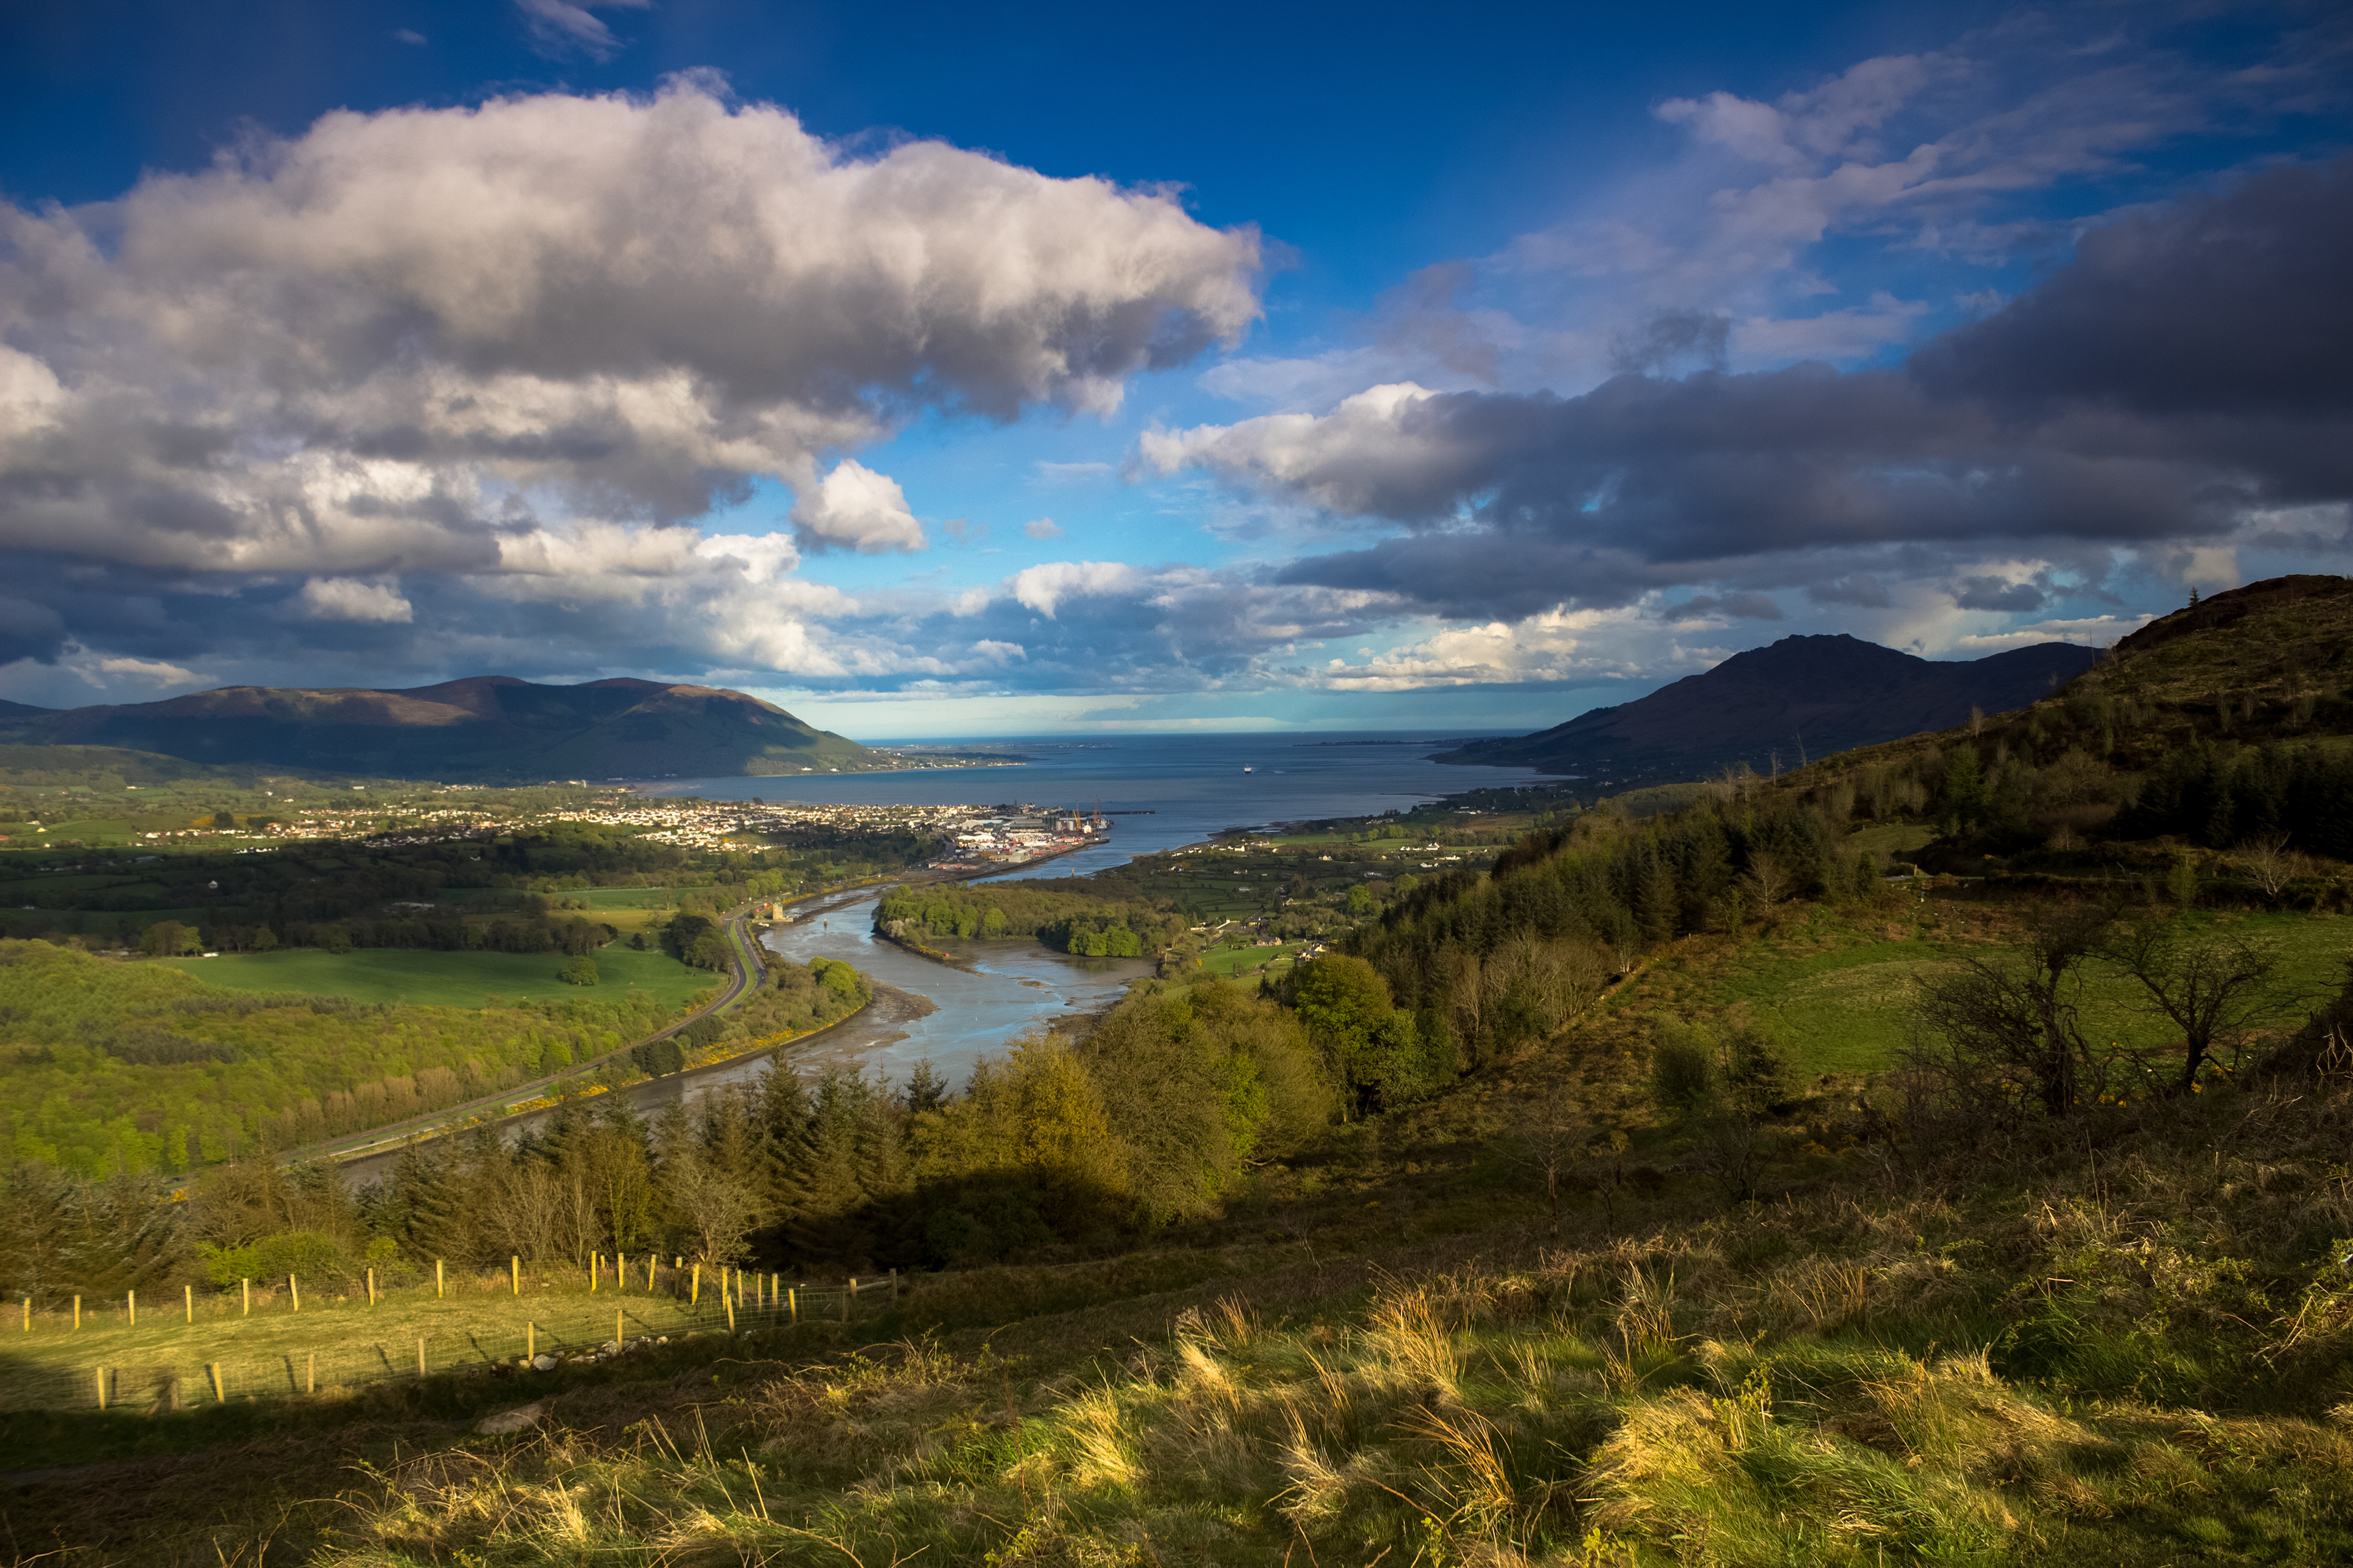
[(1995, 594), (2186, 371), (1738, 606), (2237, 304)]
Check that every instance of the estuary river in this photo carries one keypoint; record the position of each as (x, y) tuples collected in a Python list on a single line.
[(1183, 788)]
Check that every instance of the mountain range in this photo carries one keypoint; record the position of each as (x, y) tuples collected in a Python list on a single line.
[(484, 728), (1801, 697)]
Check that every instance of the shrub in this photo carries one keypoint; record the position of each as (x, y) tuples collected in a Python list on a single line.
[(305, 1254), (656, 1057)]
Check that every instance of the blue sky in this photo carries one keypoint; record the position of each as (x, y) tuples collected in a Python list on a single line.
[(938, 374)]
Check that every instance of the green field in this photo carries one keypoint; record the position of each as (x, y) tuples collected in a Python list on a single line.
[(1892, 841), (631, 898), (81, 827), (338, 1340), (1233, 961), (1848, 1010), (444, 979)]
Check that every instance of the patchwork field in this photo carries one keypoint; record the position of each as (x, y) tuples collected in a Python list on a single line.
[(444, 979)]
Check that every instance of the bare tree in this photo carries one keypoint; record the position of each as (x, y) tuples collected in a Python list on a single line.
[(1550, 1144), (2213, 988), (1768, 880), (2269, 862), (719, 1210), (2007, 1030), (1532, 987)]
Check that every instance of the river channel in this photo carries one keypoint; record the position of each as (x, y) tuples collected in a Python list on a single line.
[(921, 1009)]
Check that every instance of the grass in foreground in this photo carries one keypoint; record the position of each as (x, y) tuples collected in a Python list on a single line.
[(1826, 1382), (444, 979)]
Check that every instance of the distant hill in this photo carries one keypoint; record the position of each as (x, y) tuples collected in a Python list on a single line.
[(1801, 698), (484, 728)]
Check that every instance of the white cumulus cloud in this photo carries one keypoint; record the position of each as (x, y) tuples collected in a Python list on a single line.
[(858, 509), (514, 350), (346, 599)]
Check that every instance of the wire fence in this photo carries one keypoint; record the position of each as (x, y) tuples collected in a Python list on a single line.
[(143, 1366)]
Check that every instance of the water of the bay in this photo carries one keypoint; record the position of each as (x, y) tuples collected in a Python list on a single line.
[(1193, 785)]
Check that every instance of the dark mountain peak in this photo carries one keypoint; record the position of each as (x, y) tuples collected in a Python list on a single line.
[(1801, 697), (484, 727)]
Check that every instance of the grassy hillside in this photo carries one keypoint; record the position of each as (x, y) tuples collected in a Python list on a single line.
[(2121, 1342)]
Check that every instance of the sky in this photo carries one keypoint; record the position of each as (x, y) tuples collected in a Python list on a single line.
[(939, 371)]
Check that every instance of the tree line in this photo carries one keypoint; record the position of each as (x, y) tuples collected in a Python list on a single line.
[(1060, 1143), (1067, 916)]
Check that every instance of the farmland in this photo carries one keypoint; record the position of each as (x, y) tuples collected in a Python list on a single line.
[(444, 979)]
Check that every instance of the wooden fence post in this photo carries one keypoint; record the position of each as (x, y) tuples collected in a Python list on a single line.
[(246, 1286), (514, 1272), (77, 1312), (295, 1289), (729, 1301), (617, 1339), (437, 1279), (131, 1301), (694, 1291), (101, 1388), (793, 1304), (189, 1291), (371, 1286), (531, 1341), (220, 1395), (311, 1376), (591, 1273), (420, 1355)]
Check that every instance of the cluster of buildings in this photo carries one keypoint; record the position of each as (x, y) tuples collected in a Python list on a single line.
[(716, 824), (1017, 834)]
